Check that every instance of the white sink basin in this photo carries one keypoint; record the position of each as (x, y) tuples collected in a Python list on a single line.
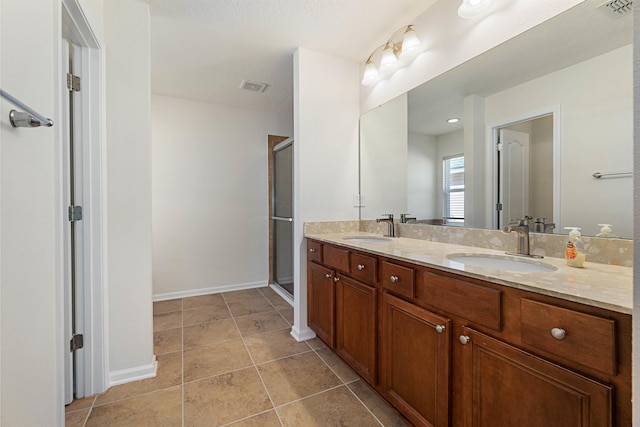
[(504, 263), (367, 239)]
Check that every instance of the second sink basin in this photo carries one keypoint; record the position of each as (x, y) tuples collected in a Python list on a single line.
[(505, 263), (367, 239)]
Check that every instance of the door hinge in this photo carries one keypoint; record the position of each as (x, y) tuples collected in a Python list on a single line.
[(498, 206), (73, 82), (77, 342), (75, 213)]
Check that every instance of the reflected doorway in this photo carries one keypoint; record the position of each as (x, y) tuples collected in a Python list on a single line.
[(281, 227)]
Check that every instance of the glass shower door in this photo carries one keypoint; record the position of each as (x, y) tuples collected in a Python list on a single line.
[(282, 215)]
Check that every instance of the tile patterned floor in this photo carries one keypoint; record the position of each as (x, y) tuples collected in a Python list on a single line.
[(228, 360)]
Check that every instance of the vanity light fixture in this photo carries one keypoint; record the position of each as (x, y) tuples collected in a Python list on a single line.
[(453, 120), (470, 9), (396, 53)]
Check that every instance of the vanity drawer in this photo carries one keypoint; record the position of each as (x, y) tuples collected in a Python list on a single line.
[(336, 257), (314, 251), (478, 304), (398, 279), (579, 337), (363, 268)]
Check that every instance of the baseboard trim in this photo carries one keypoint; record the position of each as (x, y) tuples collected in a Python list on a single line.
[(133, 374), (207, 291), (302, 334), (285, 296)]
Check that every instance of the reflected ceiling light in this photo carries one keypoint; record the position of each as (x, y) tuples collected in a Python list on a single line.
[(396, 53), (470, 9), (453, 120)]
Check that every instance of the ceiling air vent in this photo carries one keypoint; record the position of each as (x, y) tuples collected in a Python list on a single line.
[(617, 8), (253, 86)]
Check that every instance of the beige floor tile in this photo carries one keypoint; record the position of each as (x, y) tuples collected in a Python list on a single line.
[(276, 300), (385, 413), (336, 407), (159, 408), (201, 301), (210, 333), (169, 374), (260, 323), (287, 313), (266, 419), (250, 305), (316, 343), (80, 404), (343, 370), (241, 295), (206, 314), (167, 306), (224, 398), (210, 360), (274, 345), (170, 320), (296, 377), (76, 418), (167, 341)]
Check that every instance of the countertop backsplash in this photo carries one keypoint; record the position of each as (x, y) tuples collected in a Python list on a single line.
[(611, 251)]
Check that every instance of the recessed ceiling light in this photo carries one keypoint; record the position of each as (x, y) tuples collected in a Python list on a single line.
[(253, 86), (453, 120)]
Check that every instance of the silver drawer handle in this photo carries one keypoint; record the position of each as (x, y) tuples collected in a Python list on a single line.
[(335, 279), (394, 279), (312, 250), (558, 333), (464, 339), (440, 329), (360, 267), (328, 276)]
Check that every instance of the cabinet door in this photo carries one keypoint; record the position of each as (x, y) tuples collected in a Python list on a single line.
[(321, 300), (356, 325), (414, 361), (505, 386)]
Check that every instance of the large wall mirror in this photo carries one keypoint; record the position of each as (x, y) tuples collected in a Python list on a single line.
[(538, 117)]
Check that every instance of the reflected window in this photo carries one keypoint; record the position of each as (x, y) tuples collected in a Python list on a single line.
[(453, 189)]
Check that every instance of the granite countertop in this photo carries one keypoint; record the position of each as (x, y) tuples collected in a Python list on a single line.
[(598, 285)]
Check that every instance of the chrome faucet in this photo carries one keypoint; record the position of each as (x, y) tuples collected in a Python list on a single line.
[(391, 225), (541, 226), (521, 228), (405, 218)]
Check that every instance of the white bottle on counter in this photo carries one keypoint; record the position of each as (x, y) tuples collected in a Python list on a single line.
[(574, 249)]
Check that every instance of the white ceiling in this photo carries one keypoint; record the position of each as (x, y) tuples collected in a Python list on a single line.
[(203, 49)]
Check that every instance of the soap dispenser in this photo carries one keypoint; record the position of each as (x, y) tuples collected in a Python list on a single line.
[(574, 249), (605, 231)]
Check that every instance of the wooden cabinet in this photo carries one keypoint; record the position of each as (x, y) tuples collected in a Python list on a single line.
[(356, 325), (321, 302), (414, 361), (530, 359), (505, 386)]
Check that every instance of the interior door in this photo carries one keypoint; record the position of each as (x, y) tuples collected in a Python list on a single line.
[(282, 215), (513, 176)]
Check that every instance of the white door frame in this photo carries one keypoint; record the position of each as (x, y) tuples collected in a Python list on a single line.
[(76, 28), (493, 130)]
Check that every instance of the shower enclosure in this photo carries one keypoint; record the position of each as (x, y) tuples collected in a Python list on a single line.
[(282, 215)]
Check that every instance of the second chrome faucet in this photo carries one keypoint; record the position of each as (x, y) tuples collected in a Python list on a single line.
[(390, 224)]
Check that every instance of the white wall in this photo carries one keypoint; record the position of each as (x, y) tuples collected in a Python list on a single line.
[(210, 196), (450, 41), (596, 134), (383, 157), (422, 166), (30, 359), (326, 98), (128, 188)]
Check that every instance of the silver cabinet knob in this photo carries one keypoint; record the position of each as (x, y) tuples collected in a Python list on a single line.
[(328, 275), (394, 279), (335, 279), (558, 333), (440, 329), (464, 339), (360, 267), (312, 250)]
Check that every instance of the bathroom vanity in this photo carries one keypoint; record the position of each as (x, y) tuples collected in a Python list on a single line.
[(472, 346)]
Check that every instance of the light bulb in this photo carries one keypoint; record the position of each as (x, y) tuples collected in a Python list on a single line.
[(389, 60), (371, 75), (474, 8), (410, 43)]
